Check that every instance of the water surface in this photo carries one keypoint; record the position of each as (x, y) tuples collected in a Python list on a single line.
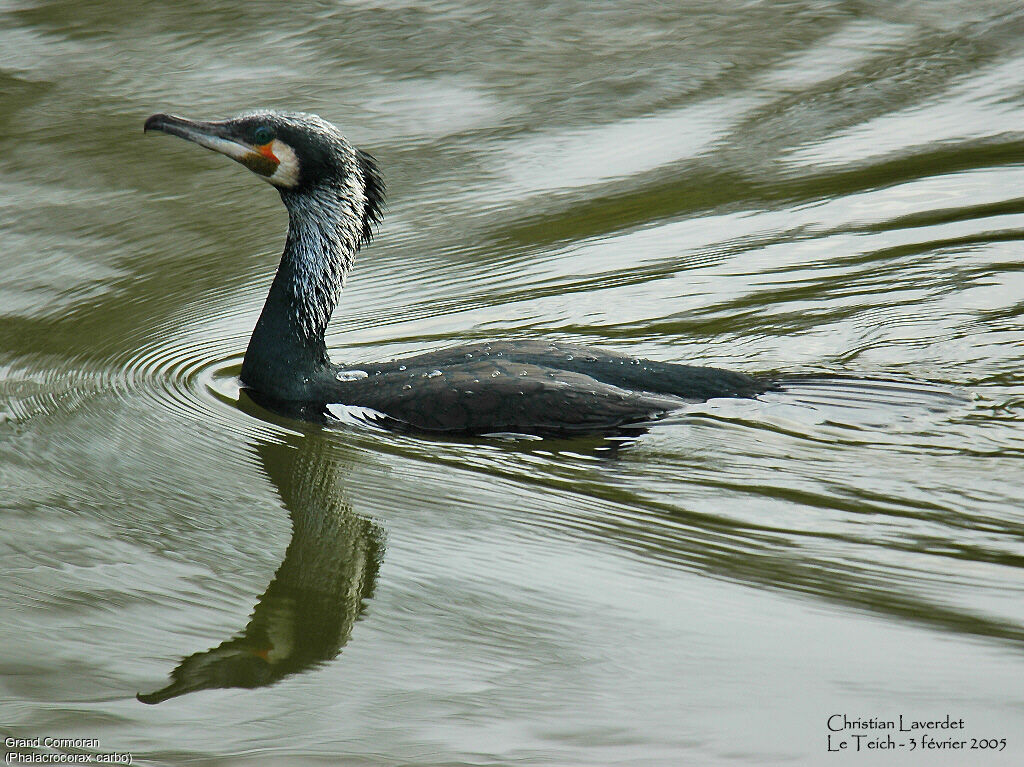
[(801, 187)]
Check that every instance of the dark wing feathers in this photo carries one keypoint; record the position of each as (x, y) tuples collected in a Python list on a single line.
[(492, 396), (533, 388)]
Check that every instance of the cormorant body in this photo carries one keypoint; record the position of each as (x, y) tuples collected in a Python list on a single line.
[(335, 196)]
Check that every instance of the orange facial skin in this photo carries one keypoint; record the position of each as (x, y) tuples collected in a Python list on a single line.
[(262, 160), (267, 150)]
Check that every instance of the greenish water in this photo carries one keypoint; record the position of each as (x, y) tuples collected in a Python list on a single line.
[(799, 187)]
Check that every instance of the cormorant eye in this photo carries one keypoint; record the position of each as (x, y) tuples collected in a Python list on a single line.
[(263, 135)]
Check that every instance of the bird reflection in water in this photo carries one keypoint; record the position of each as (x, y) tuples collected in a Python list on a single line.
[(307, 613)]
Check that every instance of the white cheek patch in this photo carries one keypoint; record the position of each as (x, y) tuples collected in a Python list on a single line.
[(287, 173)]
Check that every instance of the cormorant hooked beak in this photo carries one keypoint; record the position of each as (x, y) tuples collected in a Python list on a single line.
[(223, 137)]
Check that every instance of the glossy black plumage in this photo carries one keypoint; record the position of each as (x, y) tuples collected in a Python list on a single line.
[(525, 387)]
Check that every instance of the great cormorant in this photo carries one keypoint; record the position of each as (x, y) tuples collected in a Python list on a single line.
[(334, 194)]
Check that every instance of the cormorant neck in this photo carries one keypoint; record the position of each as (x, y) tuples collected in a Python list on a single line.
[(287, 357)]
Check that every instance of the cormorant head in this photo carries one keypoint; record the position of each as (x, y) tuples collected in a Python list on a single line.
[(297, 152)]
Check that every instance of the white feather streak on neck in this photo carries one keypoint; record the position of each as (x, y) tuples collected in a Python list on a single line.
[(324, 228)]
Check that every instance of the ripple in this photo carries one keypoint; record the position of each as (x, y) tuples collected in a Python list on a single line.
[(188, 376), (195, 379)]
